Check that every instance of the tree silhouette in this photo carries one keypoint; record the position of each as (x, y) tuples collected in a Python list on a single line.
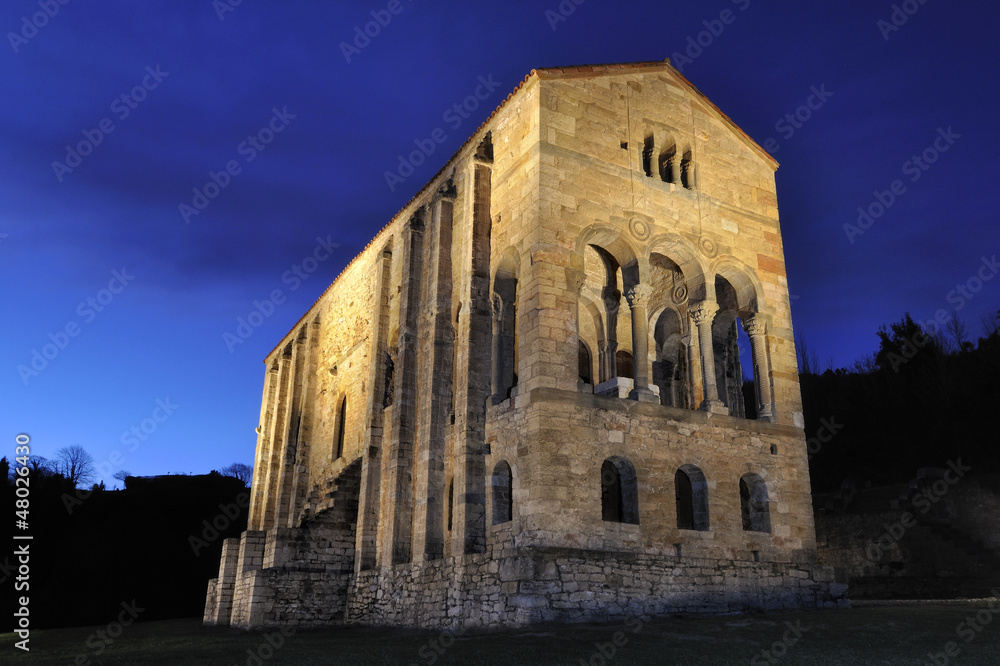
[(41, 464), (74, 463), (239, 471)]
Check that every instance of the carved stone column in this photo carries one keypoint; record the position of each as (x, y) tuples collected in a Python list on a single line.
[(703, 314), (695, 393), (638, 301), (612, 301), (756, 327)]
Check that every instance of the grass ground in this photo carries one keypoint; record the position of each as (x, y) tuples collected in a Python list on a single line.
[(899, 634)]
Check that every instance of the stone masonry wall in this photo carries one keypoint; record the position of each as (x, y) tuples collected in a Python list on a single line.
[(530, 585), (555, 442)]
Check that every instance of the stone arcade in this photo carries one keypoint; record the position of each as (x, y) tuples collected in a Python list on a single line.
[(525, 399)]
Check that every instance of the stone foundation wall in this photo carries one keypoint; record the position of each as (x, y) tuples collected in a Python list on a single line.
[(518, 588)]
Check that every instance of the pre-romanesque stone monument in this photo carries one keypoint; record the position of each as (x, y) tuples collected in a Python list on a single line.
[(530, 397)]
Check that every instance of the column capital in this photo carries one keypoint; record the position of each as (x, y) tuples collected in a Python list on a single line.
[(575, 279), (756, 324), (638, 295), (703, 311), (612, 299)]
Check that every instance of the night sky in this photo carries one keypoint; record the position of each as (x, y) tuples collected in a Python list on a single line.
[(114, 113)]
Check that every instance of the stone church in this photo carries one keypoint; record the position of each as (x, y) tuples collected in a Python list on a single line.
[(560, 384)]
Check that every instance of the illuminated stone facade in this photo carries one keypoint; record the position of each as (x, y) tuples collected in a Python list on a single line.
[(524, 400)]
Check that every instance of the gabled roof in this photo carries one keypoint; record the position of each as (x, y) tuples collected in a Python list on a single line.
[(542, 73), (651, 66)]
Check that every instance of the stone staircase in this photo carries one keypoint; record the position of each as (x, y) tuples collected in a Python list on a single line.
[(340, 493)]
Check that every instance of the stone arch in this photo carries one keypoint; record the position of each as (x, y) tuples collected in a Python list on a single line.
[(755, 507), (691, 493), (505, 333), (737, 293), (670, 367), (617, 246), (621, 270), (619, 491), (747, 286), (684, 254), (502, 484)]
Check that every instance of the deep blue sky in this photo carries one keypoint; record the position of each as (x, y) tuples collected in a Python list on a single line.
[(161, 337)]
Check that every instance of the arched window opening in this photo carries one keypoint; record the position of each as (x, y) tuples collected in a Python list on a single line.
[(691, 491), (687, 171), (647, 155), (754, 505), (585, 364), (451, 502), (505, 329), (668, 166), (670, 369), (623, 363), (619, 492), (503, 501), (341, 425), (726, 348)]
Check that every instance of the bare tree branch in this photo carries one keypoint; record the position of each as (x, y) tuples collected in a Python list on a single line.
[(239, 471), (76, 465)]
